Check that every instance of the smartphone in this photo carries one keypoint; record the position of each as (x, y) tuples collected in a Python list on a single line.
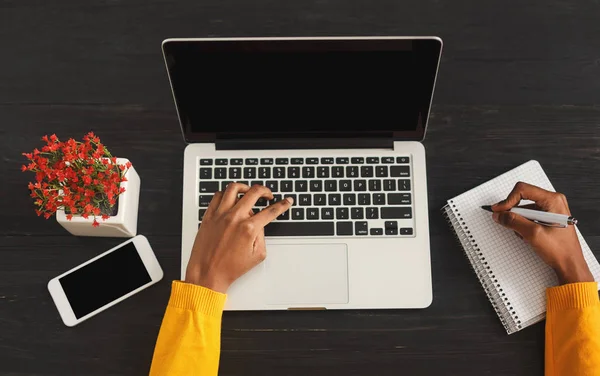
[(105, 280)]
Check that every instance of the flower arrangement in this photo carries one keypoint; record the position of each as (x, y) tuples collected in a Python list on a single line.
[(82, 178)]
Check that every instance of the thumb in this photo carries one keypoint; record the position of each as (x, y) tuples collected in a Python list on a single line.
[(517, 223)]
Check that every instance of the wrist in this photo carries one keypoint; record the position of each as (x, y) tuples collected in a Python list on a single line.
[(573, 270), (208, 281)]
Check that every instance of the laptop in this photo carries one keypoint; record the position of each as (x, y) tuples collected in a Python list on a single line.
[(334, 122)]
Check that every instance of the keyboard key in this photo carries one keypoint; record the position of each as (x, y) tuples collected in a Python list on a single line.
[(345, 185), (337, 172), (250, 172), (341, 213), (201, 213), (224, 184), (342, 160), (316, 185), (206, 162), (204, 200), (360, 185), (297, 161), (205, 173), (272, 185), (381, 171), (389, 185), (257, 182), (373, 160), (402, 159), (399, 198), (372, 213), (364, 199), (391, 231), (285, 216), (312, 160), (281, 161), (320, 228), (220, 173), (264, 172), (406, 231), (320, 200), (237, 161), (266, 161), (349, 199), (358, 160), (344, 228), (391, 224), (323, 171), (292, 196), (209, 186), (387, 160), (312, 213), (378, 198), (235, 173), (335, 199), (308, 172), (403, 185), (297, 213), (396, 212), (361, 228), (374, 185), (276, 199), (330, 185), (366, 171), (287, 186), (293, 172), (352, 171), (261, 202), (301, 186), (327, 213), (252, 161), (357, 213), (279, 172), (400, 171), (327, 160), (376, 231), (305, 200), (221, 162)]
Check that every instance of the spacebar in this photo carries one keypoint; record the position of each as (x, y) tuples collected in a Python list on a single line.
[(299, 229)]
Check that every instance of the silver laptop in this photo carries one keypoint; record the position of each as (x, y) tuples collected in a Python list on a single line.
[(335, 123)]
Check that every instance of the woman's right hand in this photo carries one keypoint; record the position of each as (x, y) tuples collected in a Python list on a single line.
[(558, 247)]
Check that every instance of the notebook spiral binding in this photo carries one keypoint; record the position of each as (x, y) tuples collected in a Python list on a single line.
[(484, 273)]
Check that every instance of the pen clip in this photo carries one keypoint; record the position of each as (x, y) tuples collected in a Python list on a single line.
[(549, 224)]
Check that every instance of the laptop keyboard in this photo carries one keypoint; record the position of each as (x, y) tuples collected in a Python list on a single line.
[(333, 196)]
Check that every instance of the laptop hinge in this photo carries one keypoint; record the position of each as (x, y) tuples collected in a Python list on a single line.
[(309, 143)]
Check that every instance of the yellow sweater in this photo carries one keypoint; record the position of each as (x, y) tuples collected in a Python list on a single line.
[(189, 338)]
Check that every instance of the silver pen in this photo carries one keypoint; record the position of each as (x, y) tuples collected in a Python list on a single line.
[(541, 217)]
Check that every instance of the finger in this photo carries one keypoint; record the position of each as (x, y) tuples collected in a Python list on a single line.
[(529, 206), (249, 200), (518, 235), (271, 212), (522, 191), (517, 223), (213, 205), (230, 196)]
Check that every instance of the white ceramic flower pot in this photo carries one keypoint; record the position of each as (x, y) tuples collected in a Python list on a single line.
[(122, 225)]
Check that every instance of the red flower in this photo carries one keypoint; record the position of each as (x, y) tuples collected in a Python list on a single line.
[(105, 217), (95, 224), (69, 217), (128, 164), (23, 168)]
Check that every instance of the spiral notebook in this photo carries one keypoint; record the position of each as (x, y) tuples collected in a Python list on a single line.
[(513, 276)]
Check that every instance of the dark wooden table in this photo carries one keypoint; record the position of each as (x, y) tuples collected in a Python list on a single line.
[(518, 81)]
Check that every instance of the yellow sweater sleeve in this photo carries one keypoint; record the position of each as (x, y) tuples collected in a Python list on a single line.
[(189, 340), (573, 330)]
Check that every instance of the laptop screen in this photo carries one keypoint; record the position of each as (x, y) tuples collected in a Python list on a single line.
[(230, 88)]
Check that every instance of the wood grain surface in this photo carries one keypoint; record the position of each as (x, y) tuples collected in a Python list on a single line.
[(518, 81)]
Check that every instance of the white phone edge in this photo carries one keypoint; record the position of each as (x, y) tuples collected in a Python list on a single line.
[(148, 258)]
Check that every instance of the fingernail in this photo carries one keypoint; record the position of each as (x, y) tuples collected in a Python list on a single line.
[(496, 217), (290, 200)]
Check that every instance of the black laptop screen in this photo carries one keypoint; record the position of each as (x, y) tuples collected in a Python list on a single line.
[(291, 88)]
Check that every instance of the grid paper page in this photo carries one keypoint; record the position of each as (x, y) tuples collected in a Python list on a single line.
[(522, 276)]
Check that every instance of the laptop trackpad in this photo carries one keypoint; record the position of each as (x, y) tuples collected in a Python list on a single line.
[(310, 274)]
